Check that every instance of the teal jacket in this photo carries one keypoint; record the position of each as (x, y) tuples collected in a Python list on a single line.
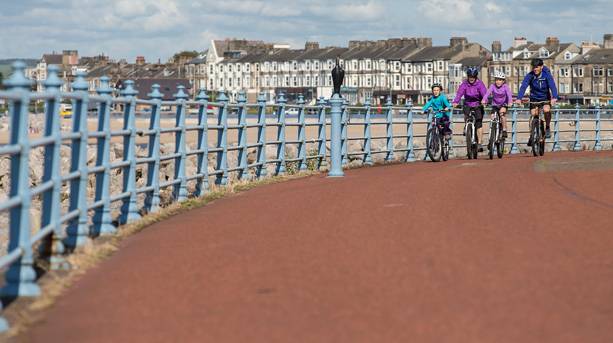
[(438, 103)]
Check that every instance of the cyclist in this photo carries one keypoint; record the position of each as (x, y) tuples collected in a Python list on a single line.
[(542, 88), (439, 103), (473, 90), (501, 99)]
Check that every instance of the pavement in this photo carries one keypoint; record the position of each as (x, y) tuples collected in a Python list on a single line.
[(512, 250)]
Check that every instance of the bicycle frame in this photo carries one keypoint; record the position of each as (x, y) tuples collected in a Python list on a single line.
[(471, 120)]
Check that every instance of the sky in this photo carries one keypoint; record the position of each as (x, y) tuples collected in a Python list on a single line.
[(157, 29)]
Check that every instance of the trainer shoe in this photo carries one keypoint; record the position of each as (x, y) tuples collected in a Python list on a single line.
[(504, 134), (480, 148), (547, 133)]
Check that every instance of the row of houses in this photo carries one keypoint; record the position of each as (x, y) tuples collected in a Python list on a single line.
[(402, 68)]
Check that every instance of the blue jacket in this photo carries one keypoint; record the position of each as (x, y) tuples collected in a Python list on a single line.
[(438, 104), (539, 86)]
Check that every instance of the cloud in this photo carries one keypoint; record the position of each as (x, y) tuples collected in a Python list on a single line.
[(159, 28)]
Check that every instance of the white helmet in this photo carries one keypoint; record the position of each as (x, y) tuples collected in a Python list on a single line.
[(499, 75)]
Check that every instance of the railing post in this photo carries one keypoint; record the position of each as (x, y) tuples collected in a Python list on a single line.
[(367, 134), (344, 136), (103, 223), (410, 152), (322, 150), (281, 101), (202, 182), (597, 144), (336, 158), (242, 135), (514, 149), (261, 169), (129, 209), (152, 200), (20, 277), (222, 140), (180, 189), (556, 129), (51, 204), (301, 134), (577, 146), (78, 230), (390, 130)]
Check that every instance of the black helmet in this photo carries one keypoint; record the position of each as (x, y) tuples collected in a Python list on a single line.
[(437, 85), (472, 71), (536, 62)]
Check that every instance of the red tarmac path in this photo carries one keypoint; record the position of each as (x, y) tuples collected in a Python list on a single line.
[(461, 251)]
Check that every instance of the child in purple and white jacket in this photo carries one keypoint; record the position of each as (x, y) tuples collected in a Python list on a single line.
[(502, 98)]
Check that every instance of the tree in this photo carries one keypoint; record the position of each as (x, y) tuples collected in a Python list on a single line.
[(184, 56), (1, 80)]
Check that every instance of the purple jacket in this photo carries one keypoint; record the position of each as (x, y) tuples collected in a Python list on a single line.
[(473, 94), (500, 96)]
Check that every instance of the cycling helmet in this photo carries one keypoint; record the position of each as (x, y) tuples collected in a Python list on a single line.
[(472, 71), (536, 62), (437, 85), (499, 75)]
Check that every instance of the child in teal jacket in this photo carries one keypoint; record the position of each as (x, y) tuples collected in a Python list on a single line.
[(440, 105)]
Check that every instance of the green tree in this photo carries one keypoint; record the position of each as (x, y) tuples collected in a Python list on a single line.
[(1, 81)]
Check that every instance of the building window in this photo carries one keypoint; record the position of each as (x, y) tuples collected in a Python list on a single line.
[(440, 65), (316, 81), (355, 65), (295, 81), (568, 55), (397, 81), (367, 65), (238, 68), (598, 71), (316, 65), (429, 66), (307, 81), (578, 71), (610, 87), (564, 72), (295, 65), (229, 68)]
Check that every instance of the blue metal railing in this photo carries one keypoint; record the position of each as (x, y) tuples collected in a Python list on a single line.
[(237, 141)]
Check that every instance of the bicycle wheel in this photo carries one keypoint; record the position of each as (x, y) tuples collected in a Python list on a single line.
[(500, 148), (445, 152), (536, 137), (542, 141), (491, 145), (469, 141), (433, 145)]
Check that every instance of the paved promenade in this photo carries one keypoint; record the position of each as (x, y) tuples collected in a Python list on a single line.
[(511, 250)]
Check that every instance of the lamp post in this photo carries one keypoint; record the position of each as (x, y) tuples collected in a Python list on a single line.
[(336, 168)]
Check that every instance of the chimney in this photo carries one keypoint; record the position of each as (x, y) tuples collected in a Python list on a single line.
[(496, 46), (424, 42), (311, 45), (608, 41), (457, 41), (519, 41), (551, 41), (140, 60)]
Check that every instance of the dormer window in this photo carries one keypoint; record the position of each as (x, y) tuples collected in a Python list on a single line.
[(543, 53), (568, 55)]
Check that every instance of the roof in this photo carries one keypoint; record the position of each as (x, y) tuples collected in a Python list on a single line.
[(473, 61), (430, 53), (595, 56), (168, 87)]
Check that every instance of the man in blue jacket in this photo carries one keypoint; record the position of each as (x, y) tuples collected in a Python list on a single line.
[(542, 88)]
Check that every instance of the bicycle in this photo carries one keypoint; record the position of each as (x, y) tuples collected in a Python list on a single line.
[(537, 129), (496, 139), (437, 146), (470, 131)]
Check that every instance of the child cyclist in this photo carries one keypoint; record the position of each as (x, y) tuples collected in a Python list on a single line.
[(501, 99), (440, 105), (473, 91)]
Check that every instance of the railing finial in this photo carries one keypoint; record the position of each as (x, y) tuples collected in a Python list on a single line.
[(18, 79)]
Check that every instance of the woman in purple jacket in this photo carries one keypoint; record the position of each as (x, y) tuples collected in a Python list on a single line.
[(473, 90), (501, 98)]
